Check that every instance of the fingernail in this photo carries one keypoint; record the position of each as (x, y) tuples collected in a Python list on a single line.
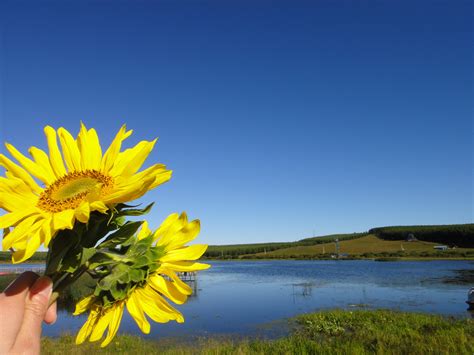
[(43, 286)]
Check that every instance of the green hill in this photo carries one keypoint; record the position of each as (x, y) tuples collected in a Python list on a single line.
[(368, 246), (236, 250), (383, 241)]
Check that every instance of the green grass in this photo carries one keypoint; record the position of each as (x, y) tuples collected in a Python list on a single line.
[(369, 246), (5, 280), (329, 332)]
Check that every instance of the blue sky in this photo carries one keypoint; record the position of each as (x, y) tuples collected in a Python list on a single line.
[(280, 119)]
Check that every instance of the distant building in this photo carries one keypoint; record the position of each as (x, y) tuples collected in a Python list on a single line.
[(441, 247), (411, 238)]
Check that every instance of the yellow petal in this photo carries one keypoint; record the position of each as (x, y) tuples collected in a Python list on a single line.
[(82, 212), (13, 218), (167, 288), (161, 178), (129, 194), (165, 226), (55, 157), (84, 304), (14, 202), (179, 284), (32, 167), (63, 220), (192, 252), (131, 160), (41, 158), (114, 324), (46, 231), (98, 206), (185, 266), (153, 311), (183, 236), (71, 153), (111, 154), (149, 294), (95, 148), (152, 172), (31, 247), (20, 173), (144, 231), (89, 146), (86, 329), (136, 311), (101, 324), (20, 231)]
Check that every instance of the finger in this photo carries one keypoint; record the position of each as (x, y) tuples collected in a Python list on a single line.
[(51, 314), (36, 306), (21, 284), (12, 303)]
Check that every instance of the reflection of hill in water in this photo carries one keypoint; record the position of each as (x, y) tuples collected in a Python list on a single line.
[(459, 277)]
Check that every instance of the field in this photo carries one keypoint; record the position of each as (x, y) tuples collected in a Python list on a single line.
[(365, 245), (328, 332), (235, 250)]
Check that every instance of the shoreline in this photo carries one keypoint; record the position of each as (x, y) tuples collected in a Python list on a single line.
[(331, 331)]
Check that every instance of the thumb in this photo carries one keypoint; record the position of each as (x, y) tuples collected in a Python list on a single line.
[(36, 306)]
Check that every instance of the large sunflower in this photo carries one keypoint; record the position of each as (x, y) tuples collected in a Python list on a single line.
[(69, 185), (146, 296)]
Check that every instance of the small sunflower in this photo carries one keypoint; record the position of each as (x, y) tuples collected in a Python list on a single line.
[(74, 183), (146, 297)]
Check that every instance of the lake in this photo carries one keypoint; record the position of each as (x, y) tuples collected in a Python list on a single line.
[(251, 298)]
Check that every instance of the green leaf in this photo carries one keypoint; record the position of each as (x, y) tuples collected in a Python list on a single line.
[(86, 254), (122, 236), (96, 229), (136, 211), (60, 246)]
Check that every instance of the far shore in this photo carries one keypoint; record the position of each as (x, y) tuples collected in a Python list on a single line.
[(381, 258)]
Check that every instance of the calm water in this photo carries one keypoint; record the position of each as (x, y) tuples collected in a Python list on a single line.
[(248, 298)]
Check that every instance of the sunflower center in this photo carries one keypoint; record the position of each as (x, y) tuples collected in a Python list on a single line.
[(70, 190)]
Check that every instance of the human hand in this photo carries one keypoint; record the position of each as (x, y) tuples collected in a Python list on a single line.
[(24, 305)]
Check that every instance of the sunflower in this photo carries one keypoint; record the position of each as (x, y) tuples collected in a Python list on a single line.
[(146, 297), (48, 193)]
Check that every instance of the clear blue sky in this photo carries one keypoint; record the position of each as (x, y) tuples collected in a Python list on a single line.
[(279, 118)]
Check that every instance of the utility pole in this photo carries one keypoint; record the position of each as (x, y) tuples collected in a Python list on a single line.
[(337, 247)]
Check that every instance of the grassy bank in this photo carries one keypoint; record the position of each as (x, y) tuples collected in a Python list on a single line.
[(329, 332)]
